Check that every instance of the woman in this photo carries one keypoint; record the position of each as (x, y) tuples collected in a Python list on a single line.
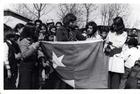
[(28, 67), (113, 47), (91, 31), (43, 34), (12, 52), (52, 31), (19, 28), (58, 25)]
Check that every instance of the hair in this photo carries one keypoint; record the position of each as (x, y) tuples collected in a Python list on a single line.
[(30, 24), (69, 18), (103, 29), (94, 26), (58, 23), (118, 22), (6, 29), (18, 26), (38, 21), (10, 34), (76, 26), (28, 31), (133, 42), (45, 28), (51, 33), (134, 29)]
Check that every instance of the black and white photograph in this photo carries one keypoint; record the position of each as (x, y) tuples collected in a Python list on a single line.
[(71, 46)]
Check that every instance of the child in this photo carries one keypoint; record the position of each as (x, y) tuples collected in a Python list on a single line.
[(130, 56), (133, 79)]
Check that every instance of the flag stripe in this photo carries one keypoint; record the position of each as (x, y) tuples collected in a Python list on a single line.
[(72, 42)]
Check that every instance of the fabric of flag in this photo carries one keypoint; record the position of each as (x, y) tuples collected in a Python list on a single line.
[(83, 62)]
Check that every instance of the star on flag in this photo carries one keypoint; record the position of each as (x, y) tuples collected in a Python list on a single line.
[(57, 61)]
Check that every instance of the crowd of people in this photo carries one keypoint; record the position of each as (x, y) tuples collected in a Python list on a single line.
[(26, 67)]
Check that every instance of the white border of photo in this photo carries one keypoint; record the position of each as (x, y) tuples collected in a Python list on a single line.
[(5, 3)]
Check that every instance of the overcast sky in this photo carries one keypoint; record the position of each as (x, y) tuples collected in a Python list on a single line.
[(134, 19)]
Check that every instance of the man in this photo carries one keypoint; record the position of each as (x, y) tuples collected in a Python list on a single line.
[(38, 24), (67, 32), (12, 53)]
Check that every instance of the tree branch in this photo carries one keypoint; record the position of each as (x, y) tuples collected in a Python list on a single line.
[(29, 10)]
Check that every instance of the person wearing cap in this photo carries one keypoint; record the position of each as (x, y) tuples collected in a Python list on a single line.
[(11, 57)]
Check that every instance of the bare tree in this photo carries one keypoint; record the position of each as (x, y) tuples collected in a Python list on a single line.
[(38, 9), (89, 8), (32, 11), (20, 9), (70, 8), (104, 14), (66, 8), (110, 11)]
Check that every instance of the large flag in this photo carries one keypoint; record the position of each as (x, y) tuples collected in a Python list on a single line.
[(80, 64)]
